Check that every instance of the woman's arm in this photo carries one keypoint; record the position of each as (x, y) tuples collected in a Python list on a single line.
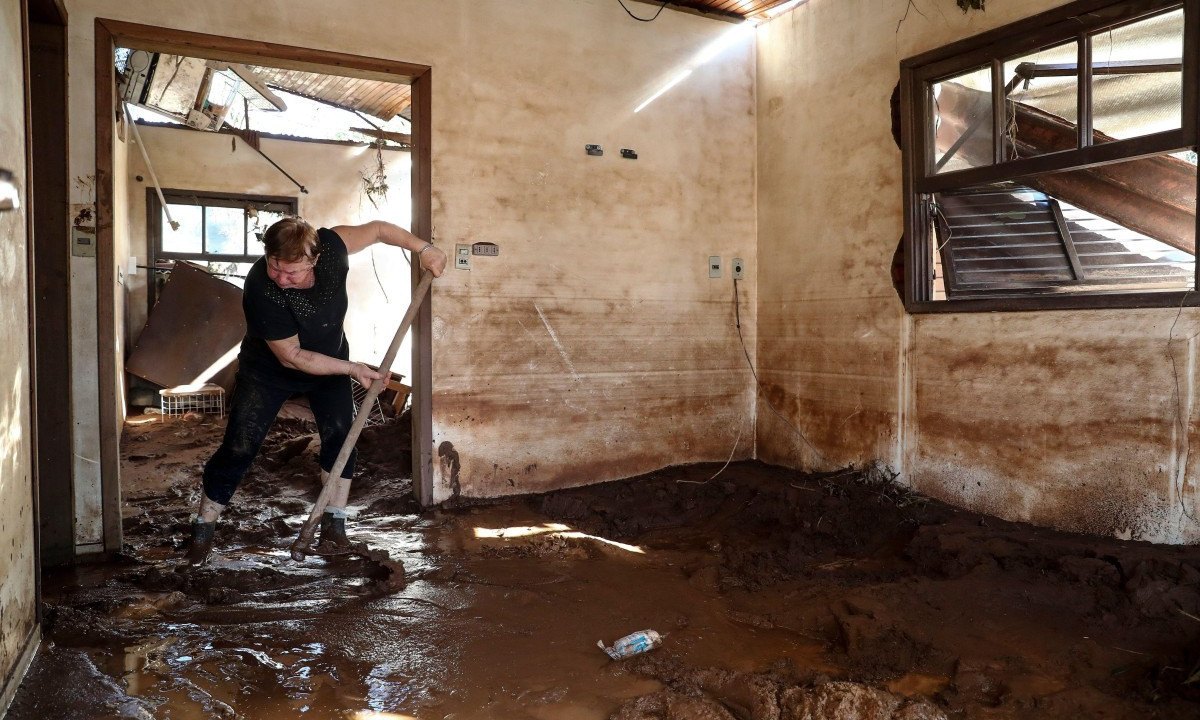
[(291, 355), (360, 237)]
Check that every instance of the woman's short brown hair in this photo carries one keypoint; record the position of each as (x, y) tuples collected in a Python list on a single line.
[(290, 239)]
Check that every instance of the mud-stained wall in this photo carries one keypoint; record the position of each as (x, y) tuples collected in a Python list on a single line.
[(595, 346), (379, 282), (1069, 419), (17, 599)]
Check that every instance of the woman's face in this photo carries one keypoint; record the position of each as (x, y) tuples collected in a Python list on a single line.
[(298, 274)]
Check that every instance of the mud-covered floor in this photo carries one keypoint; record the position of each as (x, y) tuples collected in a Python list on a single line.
[(780, 596)]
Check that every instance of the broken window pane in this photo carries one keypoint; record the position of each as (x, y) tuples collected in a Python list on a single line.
[(1137, 78), (256, 225), (1042, 113), (1123, 227), (224, 230), (962, 119), (189, 237)]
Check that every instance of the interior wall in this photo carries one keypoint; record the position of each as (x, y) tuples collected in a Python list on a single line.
[(595, 346), (17, 593), (185, 159), (1073, 419)]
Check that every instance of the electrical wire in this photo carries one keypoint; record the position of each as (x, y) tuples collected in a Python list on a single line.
[(1181, 422), (642, 19), (728, 460), (758, 383), (375, 269)]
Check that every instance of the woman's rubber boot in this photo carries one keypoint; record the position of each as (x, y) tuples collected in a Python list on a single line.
[(333, 531), (202, 543)]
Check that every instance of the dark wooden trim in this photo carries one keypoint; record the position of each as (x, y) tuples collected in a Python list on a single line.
[(913, 130), (35, 478), (50, 12), (106, 293), (1160, 299), (422, 361), (1092, 156), (1191, 69), (49, 267), (35, 489), (233, 199), (1041, 30), (257, 52), (203, 258)]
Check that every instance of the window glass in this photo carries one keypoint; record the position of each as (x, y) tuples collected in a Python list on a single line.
[(962, 121), (224, 231), (1137, 78), (256, 225), (188, 238), (1042, 102)]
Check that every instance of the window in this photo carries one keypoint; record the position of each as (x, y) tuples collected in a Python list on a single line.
[(220, 232), (1052, 162)]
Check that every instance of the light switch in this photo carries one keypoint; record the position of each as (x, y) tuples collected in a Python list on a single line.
[(714, 266), (462, 257)]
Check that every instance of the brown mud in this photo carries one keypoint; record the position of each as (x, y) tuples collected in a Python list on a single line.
[(781, 596)]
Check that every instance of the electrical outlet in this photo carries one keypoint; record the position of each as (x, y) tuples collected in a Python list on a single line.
[(714, 266), (738, 269), (462, 257), (485, 248)]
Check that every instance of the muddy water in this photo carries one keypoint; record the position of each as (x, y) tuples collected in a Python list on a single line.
[(778, 596), (487, 627)]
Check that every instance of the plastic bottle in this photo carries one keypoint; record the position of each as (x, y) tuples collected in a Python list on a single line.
[(633, 644)]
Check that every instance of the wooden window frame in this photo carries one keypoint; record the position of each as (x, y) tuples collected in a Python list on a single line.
[(1073, 22), (154, 219)]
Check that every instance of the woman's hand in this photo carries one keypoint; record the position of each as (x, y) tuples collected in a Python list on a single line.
[(363, 374), (433, 259)]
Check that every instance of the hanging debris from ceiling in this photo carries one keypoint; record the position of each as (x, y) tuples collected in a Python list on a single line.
[(375, 178)]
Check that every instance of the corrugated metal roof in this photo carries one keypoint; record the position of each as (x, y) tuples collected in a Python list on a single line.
[(384, 100)]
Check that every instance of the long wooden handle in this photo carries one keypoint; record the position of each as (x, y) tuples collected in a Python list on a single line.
[(306, 533)]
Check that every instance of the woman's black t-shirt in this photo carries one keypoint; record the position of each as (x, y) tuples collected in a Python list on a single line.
[(315, 314)]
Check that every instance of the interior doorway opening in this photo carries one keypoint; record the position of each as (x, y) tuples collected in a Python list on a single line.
[(198, 183)]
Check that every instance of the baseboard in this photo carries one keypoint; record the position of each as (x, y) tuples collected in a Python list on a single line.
[(13, 681)]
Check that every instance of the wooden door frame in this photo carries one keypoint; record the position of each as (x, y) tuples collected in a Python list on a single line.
[(111, 34), (49, 267)]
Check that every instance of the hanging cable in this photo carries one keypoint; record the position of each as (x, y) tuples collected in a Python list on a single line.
[(642, 19), (758, 383)]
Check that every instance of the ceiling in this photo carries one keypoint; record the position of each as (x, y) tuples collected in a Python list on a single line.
[(732, 9), (383, 100)]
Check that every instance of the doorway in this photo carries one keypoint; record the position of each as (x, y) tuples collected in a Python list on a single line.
[(113, 34)]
